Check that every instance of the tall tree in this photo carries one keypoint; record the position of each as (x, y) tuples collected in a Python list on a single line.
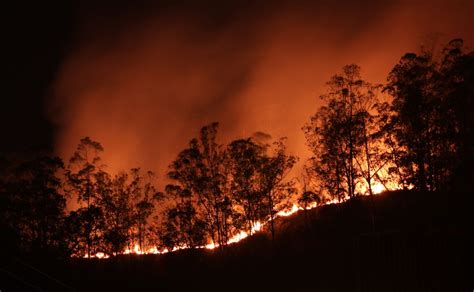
[(144, 199), (457, 85), (431, 95), (82, 173), (245, 164), (199, 171), (341, 135), (273, 181), (392, 155), (410, 83), (114, 199)]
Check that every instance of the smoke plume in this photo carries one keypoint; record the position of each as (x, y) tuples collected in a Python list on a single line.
[(143, 80)]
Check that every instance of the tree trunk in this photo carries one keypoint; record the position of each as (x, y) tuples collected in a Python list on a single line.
[(367, 157), (272, 227)]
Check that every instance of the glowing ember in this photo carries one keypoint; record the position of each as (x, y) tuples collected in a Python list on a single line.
[(295, 208), (377, 188), (99, 255), (135, 250)]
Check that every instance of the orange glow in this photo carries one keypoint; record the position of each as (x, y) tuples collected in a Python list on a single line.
[(377, 188), (245, 76), (261, 74), (99, 255), (295, 208)]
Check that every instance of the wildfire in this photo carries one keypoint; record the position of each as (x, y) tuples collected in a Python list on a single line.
[(295, 208), (99, 255), (377, 188)]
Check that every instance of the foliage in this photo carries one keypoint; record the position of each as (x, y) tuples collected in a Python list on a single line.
[(421, 139), (342, 135), (429, 118), (34, 207)]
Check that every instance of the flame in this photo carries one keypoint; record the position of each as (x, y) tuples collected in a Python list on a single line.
[(135, 250), (99, 255), (377, 188), (295, 208)]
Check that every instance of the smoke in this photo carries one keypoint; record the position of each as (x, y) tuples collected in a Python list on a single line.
[(144, 80)]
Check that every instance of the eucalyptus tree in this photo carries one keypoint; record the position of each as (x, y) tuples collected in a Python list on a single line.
[(274, 182), (199, 171), (34, 205), (82, 172), (245, 160), (342, 134), (144, 198), (432, 95)]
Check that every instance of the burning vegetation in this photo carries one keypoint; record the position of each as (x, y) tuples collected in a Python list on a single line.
[(217, 194)]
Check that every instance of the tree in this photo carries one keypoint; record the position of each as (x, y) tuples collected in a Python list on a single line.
[(410, 83), (258, 181), (457, 84), (182, 226), (309, 194), (144, 198), (82, 174), (342, 134), (429, 117), (199, 171), (393, 155), (114, 200), (245, 164), (35, 205), (328, 161), (275, 186), (83, 231)]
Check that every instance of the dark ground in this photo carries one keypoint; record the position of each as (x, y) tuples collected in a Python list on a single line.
[(419, 242)]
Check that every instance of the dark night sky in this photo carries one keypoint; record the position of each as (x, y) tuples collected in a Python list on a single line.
[(37, 38)]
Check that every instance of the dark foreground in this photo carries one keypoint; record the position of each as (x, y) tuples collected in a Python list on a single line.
[(413, 242)]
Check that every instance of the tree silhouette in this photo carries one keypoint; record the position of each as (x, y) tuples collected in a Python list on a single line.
[(274, 184), (82, 173), (457, 88), (83, 231), (430, 121), (199, 171), (422, 139), (410, 85), (35, 207), (245, 162), (182, 225), (342, 135), (144, 198), (114, 199)]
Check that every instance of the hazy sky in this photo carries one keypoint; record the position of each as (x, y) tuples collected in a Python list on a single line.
[(143, 80)]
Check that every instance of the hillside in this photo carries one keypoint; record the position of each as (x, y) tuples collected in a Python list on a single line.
[(413, 242)]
